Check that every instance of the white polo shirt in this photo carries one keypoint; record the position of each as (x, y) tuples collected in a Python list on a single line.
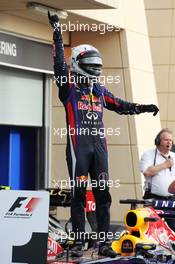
[(161, 181)]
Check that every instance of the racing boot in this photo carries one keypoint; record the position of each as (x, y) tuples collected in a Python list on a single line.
[(77, 249), (106, 250)]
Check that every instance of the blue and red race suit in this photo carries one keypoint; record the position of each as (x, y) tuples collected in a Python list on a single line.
[(86, 145)]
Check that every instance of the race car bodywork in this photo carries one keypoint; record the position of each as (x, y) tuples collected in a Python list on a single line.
[(146, 232), (146, 238), (54, 249)]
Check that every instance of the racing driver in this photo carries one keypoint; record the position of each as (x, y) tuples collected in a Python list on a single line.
[(84, 99)]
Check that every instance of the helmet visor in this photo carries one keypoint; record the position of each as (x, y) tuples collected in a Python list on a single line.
[(92, 69), (91, 60)]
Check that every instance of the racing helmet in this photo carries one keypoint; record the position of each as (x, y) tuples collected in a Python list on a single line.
[(86, 60)]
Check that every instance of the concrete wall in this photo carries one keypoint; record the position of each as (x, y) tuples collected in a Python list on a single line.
[(161, 27), (28, 28)]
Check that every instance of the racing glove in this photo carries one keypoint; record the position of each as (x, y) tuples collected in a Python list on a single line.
[(53, 20), (55, 23), (148, 108)]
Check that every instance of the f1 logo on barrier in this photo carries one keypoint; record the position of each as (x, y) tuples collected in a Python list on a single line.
[(23, 208), (31, 205), (17, 204), (21, 227)]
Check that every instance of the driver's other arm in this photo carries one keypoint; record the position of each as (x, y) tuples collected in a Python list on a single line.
[(123, 107)]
